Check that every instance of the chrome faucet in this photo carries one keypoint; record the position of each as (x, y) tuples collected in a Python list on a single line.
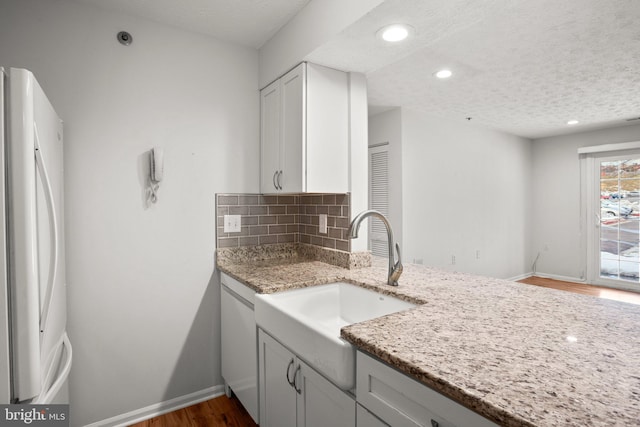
[(395, 268)]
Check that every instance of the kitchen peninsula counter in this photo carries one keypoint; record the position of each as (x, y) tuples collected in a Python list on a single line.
[(520, 355)]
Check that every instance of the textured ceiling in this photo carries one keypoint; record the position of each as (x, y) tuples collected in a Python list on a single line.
[(247, 22), (524, 67), (521, 66)]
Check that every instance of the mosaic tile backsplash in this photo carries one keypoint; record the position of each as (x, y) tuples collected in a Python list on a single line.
[(291, 218)]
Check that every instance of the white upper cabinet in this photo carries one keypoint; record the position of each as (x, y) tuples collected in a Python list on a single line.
[(291, 175), (270, 136), (305, 132)]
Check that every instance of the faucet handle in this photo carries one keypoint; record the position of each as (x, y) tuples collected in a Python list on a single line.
[(399, 263), (395, 273)]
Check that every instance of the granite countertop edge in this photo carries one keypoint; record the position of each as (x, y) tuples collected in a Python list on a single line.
[(440, 384), (499, 407), (258, 284)]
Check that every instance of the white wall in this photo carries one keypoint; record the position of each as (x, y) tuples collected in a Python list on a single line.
[(310, 28), (465, 189), (143, 304), (387, 128), (358, 166), (556, 199)]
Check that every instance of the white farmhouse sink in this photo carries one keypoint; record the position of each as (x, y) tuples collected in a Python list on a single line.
[(308, 321)]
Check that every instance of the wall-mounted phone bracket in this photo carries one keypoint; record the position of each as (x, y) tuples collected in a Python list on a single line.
[(156, 172)]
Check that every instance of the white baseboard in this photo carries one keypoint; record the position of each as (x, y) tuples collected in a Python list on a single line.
[(520, 277), (156, 409)]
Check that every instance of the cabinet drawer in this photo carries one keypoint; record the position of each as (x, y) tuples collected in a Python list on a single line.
[(401, 401)]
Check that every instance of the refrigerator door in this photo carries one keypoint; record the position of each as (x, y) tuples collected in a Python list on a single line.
[(37, 273), (5, 367), (23, 269), (55, 349)]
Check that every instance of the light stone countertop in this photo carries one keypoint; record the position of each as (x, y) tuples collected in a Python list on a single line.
[(520, 355)]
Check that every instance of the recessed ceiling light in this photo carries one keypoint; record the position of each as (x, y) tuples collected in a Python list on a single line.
[(443, 74), (394, 33), (572, 122)]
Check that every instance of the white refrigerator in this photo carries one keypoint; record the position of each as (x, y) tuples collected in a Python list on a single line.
[(35, 352)]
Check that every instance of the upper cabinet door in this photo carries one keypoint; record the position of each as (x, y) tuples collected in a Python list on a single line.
[(270, 137), (292, 154), (305, 132), (327, 130)]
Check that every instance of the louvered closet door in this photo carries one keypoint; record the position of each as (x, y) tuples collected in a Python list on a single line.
[(378, 197)]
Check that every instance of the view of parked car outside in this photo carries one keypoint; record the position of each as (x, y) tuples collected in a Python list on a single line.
[(620, 220)]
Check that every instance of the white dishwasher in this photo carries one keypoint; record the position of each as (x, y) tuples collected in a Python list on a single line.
[(239, 343)]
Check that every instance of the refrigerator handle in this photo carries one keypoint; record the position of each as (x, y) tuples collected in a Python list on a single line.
[(45, 397), (53, 269)]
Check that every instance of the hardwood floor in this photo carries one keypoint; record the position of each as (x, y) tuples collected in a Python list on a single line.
[(581, 288), (218, 412)]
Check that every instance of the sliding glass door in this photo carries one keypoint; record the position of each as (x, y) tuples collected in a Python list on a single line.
[(615, 241)]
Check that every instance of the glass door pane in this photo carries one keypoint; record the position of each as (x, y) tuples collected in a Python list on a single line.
[(619, 219)]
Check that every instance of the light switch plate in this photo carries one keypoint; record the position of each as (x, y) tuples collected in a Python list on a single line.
[(232, 223), (322, 224)]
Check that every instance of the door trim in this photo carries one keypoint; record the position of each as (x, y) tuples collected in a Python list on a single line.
[(590, 222)]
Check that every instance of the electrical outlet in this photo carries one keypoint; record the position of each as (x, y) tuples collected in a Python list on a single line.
[(478, 254), (418, 261), (453, 260), (322, 224), (232, 223)]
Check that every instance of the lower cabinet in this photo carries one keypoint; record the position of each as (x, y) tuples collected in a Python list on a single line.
[(276, 368), (321, 403), (294, 394), (400, 401)]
